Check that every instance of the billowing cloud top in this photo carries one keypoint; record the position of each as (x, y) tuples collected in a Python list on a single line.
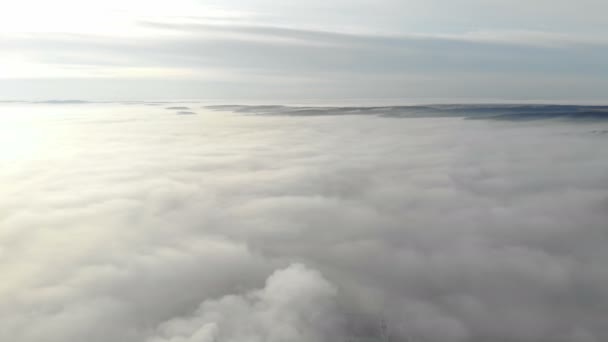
[(132, 223)]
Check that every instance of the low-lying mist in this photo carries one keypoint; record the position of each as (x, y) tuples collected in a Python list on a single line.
[(130, 223)]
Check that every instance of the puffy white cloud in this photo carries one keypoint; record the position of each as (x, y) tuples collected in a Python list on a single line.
[(118, 221), (295, 305)]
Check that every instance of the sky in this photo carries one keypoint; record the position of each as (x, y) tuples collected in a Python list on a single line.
[(413, 50)]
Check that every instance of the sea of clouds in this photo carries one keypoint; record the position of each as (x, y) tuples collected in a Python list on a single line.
[(144, 223)]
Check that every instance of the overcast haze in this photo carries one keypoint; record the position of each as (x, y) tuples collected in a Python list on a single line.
[(303, 171), (462, 50)]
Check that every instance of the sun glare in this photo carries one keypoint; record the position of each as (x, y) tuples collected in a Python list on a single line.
[(108, 18), (21, 137)]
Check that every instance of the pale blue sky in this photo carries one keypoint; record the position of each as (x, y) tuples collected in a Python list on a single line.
[(270, 50)]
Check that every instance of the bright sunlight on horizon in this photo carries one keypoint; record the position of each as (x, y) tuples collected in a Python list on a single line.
[(304, 171)]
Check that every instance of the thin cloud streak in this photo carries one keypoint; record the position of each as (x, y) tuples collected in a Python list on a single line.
[(244, 55)]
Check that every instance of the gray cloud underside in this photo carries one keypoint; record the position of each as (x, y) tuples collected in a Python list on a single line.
[(133, 224)]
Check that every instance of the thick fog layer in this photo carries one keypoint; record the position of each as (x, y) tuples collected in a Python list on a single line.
[(138, 223)]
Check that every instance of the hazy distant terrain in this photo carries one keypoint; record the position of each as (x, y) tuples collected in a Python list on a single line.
[(158, 222)]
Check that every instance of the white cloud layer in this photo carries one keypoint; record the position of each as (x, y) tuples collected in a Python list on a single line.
[(132, 223), (295, 305)]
